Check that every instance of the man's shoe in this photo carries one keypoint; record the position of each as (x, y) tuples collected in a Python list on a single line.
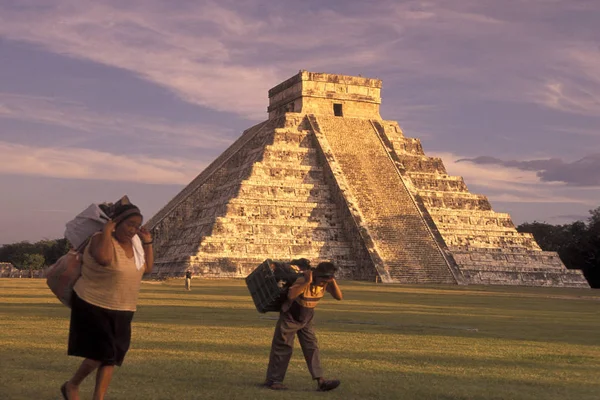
[(327, 385), (275, 385)]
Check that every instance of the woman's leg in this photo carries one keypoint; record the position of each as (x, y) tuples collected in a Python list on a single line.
[(87, 367), (103, 377)]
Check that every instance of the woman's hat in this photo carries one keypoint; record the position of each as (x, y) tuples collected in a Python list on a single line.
[(122, 212)]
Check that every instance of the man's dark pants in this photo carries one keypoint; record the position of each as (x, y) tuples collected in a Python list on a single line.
[(283, 344)]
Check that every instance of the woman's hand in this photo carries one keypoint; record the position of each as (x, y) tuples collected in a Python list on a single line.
[(109, 227), (145, 235)]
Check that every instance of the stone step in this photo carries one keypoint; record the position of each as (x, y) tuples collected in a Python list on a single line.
[(248, 195), (280, 228), (455, 201), (291, 156), (443, 222), (407, 146), (483, 241), (387, 212), (220, 249), (272, 240), (436, 182), (280, 175), (498, 276), (473, 229), (435, 211), (422, 163), (297, 138)]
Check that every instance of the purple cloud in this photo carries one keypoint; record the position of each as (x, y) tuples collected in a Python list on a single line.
[(583, 172)]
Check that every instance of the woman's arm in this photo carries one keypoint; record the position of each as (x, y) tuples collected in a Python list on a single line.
[(334, 289), (147, 242), (101, 246)]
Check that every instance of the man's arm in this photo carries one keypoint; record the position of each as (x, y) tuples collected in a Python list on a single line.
[(334, 289)]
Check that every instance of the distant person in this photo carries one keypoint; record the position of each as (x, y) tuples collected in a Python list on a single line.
[(105, 298), (188, 280), (296, 318)]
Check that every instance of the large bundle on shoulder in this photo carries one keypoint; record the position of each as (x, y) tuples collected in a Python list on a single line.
[(89, 221), (63, 274), (270, 281)]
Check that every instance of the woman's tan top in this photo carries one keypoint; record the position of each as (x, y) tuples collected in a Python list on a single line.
[(115, 286)]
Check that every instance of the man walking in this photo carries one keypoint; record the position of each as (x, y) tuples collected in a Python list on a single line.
[(188, 280), (296, 318)]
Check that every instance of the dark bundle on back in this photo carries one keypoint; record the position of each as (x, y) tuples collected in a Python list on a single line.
[(269, 282)]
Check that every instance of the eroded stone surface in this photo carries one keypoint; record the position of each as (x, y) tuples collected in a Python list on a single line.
[(327, 179)]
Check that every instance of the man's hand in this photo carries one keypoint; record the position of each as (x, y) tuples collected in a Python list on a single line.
[(308, 275), (333, 288)]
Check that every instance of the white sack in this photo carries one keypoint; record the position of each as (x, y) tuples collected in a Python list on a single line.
[(88, 222)]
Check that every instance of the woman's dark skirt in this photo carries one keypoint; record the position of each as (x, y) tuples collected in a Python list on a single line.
[(98, 333)]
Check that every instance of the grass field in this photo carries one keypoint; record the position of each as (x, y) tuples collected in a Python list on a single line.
[(383, 342)]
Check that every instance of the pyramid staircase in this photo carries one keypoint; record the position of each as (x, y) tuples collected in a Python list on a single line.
[(403, 247)]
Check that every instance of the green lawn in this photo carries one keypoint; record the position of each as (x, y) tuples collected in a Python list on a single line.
[(383, 342)]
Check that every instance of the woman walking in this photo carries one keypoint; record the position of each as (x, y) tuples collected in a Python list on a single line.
[(105, 298)]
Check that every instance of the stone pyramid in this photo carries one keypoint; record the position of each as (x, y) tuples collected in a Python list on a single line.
[(326, 178)]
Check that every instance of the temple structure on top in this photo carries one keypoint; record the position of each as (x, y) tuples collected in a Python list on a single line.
[(326, 178)]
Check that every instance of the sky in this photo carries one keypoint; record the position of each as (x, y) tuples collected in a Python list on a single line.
[(104, 98)]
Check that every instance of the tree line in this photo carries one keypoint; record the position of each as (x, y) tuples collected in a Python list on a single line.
[(577, 244), (33, 256)]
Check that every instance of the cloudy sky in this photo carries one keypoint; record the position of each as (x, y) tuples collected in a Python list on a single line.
[(104, 98)]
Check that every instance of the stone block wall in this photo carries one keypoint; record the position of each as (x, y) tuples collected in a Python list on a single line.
[(485, 244), (268, 200), (316, 93)]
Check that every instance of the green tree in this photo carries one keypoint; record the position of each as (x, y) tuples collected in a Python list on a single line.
[(577, 244), (31, 262), (35, 261), (50, 250), (14, 253), (592, 255)]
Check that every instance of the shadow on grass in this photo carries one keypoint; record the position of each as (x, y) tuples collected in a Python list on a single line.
[(156, 376), (388, 356), (524, 327)]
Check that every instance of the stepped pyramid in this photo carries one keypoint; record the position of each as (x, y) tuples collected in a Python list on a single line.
[(326, 178)]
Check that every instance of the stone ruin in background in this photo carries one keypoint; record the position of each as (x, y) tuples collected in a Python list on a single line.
[(326, 178)]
